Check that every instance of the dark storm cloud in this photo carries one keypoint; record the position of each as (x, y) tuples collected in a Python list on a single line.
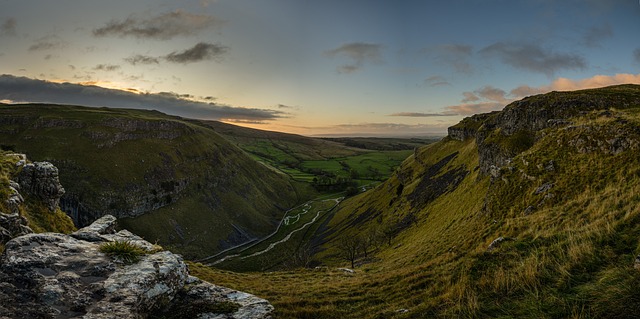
[(532, 57), (201, 51), (162, 27), (142, 59), (358, 53), (595, 35), (8, 27), (22, 89)]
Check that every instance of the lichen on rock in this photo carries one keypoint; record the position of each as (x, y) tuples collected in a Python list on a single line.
[(53, 275)]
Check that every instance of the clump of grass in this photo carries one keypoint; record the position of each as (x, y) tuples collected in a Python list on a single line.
[(125, 251)]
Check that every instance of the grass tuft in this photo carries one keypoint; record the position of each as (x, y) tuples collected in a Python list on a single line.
[(124, 251)]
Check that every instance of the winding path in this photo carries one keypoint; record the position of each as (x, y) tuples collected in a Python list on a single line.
[(285, 220)]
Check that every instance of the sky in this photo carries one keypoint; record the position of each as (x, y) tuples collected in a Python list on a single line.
[(317, 68)]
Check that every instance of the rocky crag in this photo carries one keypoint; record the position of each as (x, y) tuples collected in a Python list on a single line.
[(53, 275), (502, 135), (32, 197)]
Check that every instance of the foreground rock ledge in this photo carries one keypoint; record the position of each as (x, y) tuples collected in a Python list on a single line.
[(66, 276)]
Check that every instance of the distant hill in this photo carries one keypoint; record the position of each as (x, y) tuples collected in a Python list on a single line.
[(166, 178)]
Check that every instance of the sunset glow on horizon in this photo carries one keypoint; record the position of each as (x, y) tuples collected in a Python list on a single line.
[(328, 68)]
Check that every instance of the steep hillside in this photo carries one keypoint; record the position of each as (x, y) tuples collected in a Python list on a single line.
[(530, 212), (167, 179)]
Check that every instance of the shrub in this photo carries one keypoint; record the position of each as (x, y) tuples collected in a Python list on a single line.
[(125, 251)]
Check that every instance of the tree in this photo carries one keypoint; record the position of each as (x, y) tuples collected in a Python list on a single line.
[(370, 241), (389, 231), (348, 248)]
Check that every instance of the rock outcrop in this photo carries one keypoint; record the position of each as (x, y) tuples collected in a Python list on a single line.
[(52, 275), (40, 179), (502, 135)]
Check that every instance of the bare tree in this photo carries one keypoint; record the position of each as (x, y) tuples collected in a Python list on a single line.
[(348, 247), (370, 241)]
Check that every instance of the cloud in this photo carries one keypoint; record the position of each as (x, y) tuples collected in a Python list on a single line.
[(595, 35), (469, 97), (142, 59), (455, 55), (22, 89), (49, 42), (358, 53), (436, 80), (163, 27), (532, 57), (474, 108), (418, 114), (636, 55), (8, 27), (564, 84), (482, 100), (491, 93), (201, 51), (106, 67)]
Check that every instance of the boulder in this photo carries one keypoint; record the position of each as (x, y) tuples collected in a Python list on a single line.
[(67, 276)]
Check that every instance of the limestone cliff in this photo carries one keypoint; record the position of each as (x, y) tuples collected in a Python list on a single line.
[(502, 135)]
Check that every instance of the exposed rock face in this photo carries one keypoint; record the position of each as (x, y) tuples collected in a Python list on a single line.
[(40, 179), (468, 127), (520, 122), (58, 276), (12, 225)]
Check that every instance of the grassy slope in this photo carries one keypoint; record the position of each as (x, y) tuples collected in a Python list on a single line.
[(109, 168), (570, 256)]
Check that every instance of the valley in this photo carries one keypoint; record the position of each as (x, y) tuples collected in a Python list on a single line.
[(528, 212)]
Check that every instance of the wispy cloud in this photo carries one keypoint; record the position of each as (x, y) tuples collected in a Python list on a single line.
[(106, 67), (142, 59), (22, 89), (565, 84), (8, 27), (596, 34), (469, 97), (436, 80), (199, 52), (162, 27), (474, 108), (455, 55), (488, 98), (49, 42), (491, 93), (533, 57), (359, 54)]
